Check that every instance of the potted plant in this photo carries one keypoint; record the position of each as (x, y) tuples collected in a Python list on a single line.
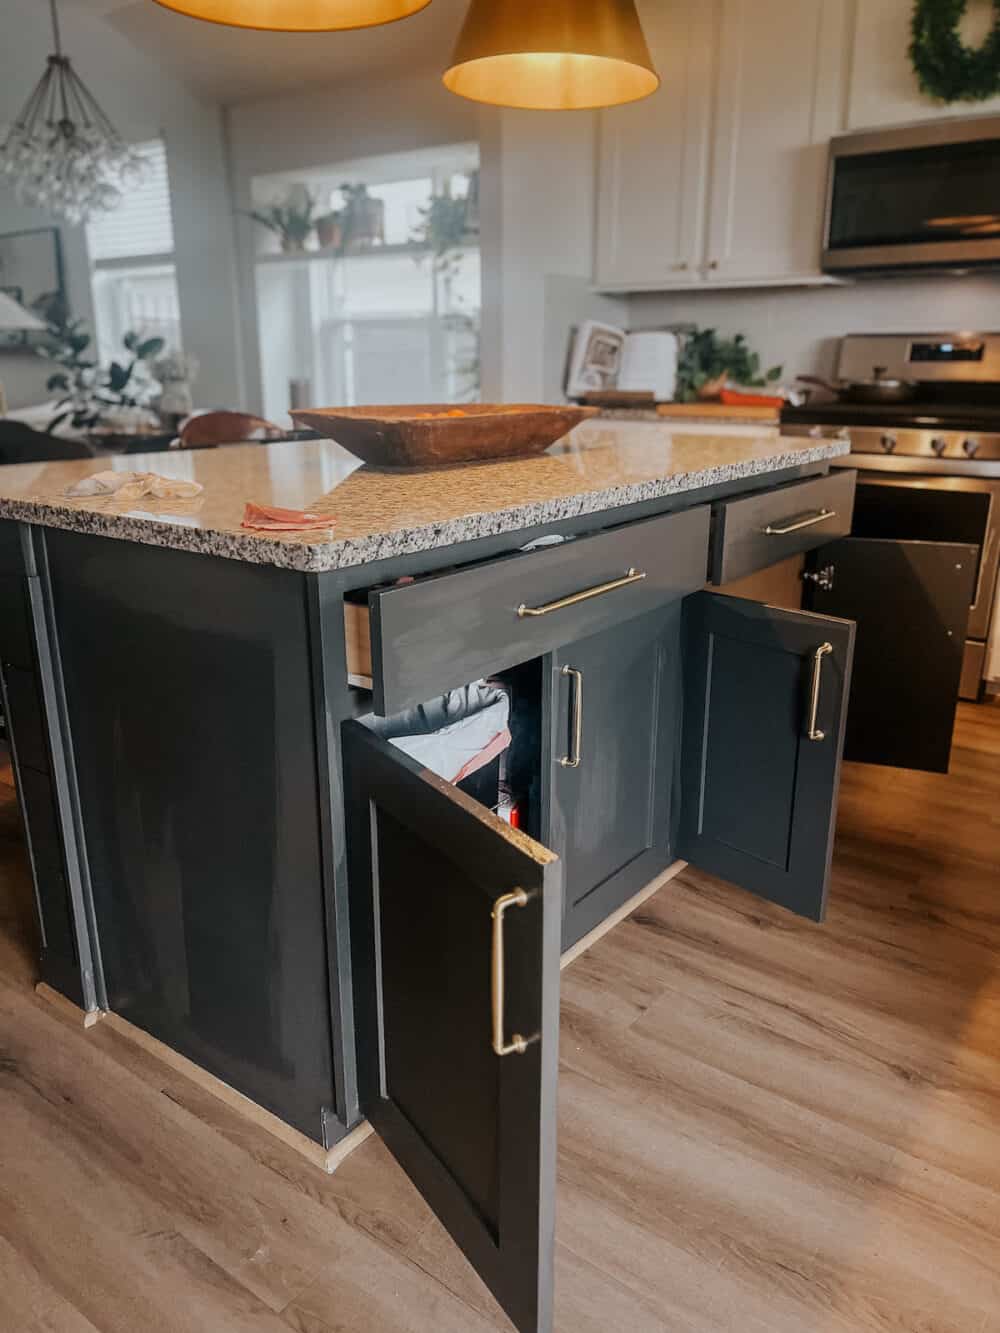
[(291, 219), (362, 218), (442, 229), (329, 230), (707, 363), (103, 402)]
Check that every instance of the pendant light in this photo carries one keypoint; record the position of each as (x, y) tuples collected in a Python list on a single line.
[(297, 15), (62, 153), (552, 55)]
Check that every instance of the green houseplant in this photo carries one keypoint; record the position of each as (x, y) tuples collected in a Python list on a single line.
[(291, 219), (92, 394), (362, 218), (708, 362)]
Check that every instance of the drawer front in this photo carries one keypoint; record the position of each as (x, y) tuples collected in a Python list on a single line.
[(27, 722), (449, 629), (759, 530), (15, 631)]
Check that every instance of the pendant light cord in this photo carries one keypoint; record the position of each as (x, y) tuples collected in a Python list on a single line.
[(56, 36)]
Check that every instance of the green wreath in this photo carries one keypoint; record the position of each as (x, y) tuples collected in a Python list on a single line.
[(946, 68)]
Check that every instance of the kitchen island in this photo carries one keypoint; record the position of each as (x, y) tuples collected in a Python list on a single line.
[(225, 857)]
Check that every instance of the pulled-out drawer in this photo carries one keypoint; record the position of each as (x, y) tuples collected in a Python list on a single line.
[(758, 530), (415, 640)]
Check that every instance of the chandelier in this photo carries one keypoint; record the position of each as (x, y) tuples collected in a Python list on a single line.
[(62, 153)]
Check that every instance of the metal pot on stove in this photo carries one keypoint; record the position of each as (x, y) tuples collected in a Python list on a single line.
[(881, 388)]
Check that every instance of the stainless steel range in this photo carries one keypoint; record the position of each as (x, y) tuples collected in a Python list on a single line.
[(929, 467)]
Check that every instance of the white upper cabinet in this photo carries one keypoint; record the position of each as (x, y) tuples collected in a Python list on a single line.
[(780, 97), (719, 178), (654, 159)]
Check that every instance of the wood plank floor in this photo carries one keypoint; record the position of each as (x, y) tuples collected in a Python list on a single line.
[(765, 1126)]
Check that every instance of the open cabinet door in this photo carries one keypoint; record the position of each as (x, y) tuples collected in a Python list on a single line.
[(911, 602), (448, 969), (764, 708)]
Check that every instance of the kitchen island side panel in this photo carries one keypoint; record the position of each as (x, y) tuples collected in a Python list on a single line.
[(190, 696)]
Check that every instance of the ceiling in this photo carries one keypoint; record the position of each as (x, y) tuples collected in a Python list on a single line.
[(230, 65)]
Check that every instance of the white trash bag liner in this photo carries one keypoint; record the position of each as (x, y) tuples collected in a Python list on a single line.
[(454, 735)]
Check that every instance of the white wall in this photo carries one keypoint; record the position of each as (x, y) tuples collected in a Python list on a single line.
[(538, 209), (143, 102)]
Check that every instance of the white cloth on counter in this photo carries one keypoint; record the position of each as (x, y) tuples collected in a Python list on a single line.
[(449, 735), (134, 485)]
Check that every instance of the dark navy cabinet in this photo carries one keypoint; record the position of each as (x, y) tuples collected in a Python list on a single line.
[(615, 726)]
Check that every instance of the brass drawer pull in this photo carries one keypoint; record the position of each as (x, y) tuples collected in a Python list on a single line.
[(822, 651), (820, 516), (572, 760), (633, 576), (517, 1044)]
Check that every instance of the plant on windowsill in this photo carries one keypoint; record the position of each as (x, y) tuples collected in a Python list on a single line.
[(442, 230), (330, 231), (362, 218), (291, 219), (446, 225)]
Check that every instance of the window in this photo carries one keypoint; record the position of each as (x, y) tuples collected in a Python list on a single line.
[(133, 274), (378, 315)]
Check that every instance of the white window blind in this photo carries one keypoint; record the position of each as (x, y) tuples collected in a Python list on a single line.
[(142, 224)]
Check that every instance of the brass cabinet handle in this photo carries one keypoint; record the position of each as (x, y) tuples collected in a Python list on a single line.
[(572, 760), (813, 731), (517, 1044), (633, 576), (782, 530)]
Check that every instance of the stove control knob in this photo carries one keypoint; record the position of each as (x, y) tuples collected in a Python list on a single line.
[(939, 445), (888, 443), (971, 447)]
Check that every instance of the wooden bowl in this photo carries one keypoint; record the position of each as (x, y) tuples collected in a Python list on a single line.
[(435, 434)]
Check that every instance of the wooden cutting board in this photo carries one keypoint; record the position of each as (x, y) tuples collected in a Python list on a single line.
[(716, 412)]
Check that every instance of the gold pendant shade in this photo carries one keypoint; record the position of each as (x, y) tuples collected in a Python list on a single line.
[(552, 55), (297, 15)]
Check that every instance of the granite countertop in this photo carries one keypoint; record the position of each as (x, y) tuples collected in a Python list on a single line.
[(376, 515)]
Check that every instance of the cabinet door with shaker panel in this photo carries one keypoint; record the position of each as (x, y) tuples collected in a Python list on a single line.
[(654, 160)]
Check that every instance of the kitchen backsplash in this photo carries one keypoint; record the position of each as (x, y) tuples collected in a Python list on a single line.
[(798, 327)]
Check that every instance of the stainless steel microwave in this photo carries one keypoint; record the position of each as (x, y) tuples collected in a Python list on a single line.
[(918, 198)]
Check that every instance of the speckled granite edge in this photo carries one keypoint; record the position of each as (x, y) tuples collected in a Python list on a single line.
[(321, 557)]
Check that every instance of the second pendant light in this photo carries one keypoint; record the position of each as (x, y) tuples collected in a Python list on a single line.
[(552, 55)]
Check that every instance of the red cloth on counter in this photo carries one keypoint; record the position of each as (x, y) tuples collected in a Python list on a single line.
[(269, 518)]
